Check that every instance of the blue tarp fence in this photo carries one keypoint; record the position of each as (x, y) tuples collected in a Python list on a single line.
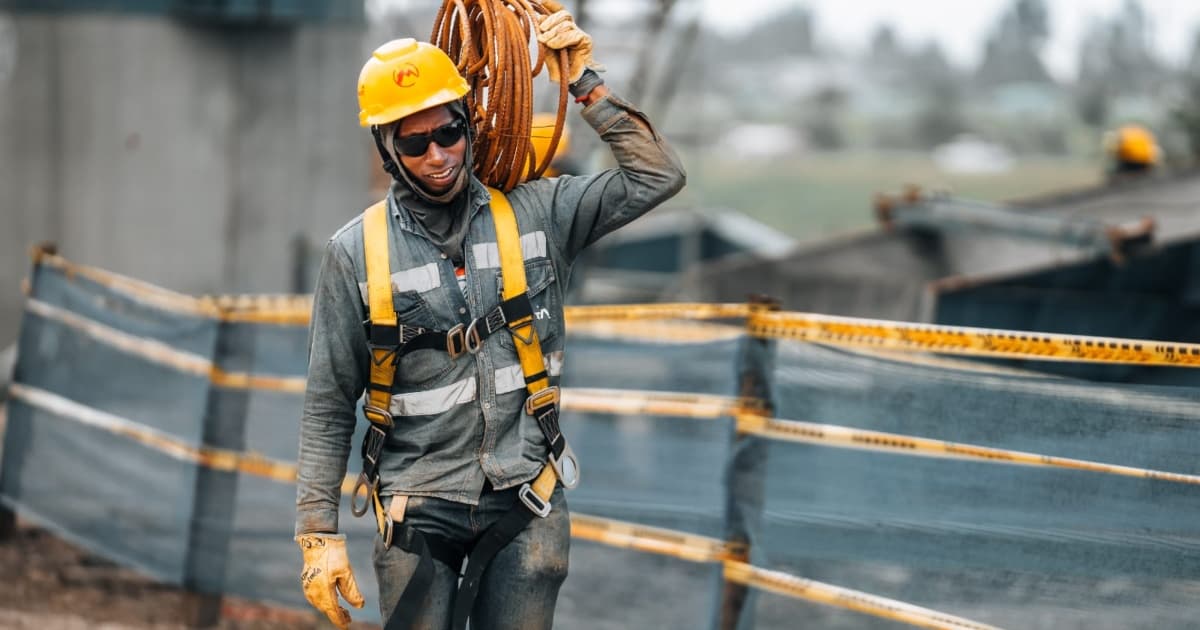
[(842, 486)]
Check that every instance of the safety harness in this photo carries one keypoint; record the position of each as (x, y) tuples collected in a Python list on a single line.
[(388, 340)]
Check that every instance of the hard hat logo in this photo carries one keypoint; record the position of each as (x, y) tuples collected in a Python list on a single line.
[(406, 76)]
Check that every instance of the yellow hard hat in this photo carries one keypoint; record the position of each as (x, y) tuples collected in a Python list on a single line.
[(1134, 144), (543, 132), (403, 77)]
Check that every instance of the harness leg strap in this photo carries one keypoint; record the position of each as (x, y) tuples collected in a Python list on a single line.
[(489, 544), (429, 547)]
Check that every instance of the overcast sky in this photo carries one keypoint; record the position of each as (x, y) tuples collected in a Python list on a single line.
[(962, 25)]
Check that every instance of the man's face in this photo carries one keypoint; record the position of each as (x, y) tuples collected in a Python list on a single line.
[(437, 169)]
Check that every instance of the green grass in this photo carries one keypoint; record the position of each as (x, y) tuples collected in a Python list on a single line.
[(824, 193)]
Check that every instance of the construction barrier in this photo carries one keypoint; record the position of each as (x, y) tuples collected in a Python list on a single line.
[(835, 461)]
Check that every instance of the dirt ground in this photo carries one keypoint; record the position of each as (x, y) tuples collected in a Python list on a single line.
[(52, 585)]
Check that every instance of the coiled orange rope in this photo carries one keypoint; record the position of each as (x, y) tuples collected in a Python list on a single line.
[(490, 43)]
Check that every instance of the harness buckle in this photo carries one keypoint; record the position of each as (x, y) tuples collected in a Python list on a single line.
[(495, 319), (372, 446), (385, 416), (456, 341), (474, 341), (363, 483), (388, 528), (532, 501), (541, 399), (566, 466)]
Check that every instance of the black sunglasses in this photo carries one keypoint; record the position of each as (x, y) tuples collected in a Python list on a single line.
[(416, 145)]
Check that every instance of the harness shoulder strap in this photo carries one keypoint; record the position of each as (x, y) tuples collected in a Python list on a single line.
[(542, 403), (512, 268), (375, 248), (383, 341)]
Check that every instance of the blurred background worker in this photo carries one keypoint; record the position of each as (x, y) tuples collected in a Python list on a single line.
[(1132, 151), (461, 431)]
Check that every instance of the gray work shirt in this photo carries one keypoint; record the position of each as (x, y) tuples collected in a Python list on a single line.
[(461, 421)]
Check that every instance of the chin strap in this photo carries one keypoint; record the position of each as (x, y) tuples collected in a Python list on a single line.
[(389, 165)]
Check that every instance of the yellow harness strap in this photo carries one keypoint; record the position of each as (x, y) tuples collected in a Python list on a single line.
[(512, 266), (382, 313), (382, 316), (529, 348)]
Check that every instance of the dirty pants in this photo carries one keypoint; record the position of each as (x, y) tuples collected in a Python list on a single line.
[(519, 587)]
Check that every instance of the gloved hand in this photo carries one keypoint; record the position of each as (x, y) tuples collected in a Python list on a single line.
[(327, 571), (558, 31)]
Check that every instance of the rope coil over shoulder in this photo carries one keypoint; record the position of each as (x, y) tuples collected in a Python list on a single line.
[(387, 341)]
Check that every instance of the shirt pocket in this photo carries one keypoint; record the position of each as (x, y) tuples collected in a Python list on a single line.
[(427, 365), (545, 296)]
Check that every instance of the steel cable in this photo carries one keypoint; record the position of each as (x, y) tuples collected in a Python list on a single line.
[(489, 40)]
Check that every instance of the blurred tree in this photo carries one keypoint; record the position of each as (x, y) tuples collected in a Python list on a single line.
[(885, 46), (941, 117), (887, 59), (1186, 115), (1012, 52), (1116, 59), (791, 32), (1118, 54), (822, 123)]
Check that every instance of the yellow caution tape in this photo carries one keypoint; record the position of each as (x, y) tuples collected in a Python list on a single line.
[(750, 419), (986, 342), (760, 321), (577, 314), (615, 401), (811, 590), (667, 542), (243, 380), (654, 331), (283, 310), (846, 437), (644, 538), (695, 548), (163, 354), (250, 463)]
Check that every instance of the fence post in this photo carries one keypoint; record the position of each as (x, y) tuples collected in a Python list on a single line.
[(8, 518), (215, 497), (746, 472)]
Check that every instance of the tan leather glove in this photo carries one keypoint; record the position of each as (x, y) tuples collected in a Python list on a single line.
[(558, 31), (326, 572)]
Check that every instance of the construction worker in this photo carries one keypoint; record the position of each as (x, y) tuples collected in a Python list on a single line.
[(457, 453), (1132, 150)]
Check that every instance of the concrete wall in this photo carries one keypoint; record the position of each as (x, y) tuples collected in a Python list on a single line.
[(185, 155)]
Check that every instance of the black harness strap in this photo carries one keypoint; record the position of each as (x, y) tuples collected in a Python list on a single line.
[(490, 543), (428, 547)]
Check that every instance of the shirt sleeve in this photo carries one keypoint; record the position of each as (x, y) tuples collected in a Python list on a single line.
[(648, 173), (337, 359)]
